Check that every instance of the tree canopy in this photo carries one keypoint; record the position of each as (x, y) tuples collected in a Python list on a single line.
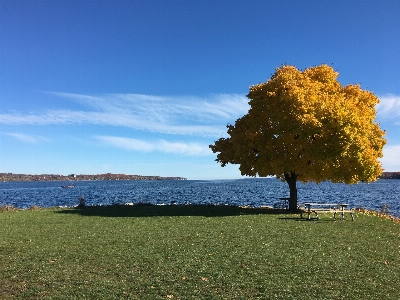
[(305, 126)]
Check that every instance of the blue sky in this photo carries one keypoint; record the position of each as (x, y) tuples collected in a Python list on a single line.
[(143, 87)]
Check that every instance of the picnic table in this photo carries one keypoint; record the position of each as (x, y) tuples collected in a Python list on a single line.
[(324, 208), (285, 203)]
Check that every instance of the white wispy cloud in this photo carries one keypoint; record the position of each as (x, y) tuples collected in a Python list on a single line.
[(389, 106), (25, 138), (172, 115), (391, 158), (193, 149)]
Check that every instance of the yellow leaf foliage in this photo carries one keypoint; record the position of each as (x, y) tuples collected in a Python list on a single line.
[(306, 123)]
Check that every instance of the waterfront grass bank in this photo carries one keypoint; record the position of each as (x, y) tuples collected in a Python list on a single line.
[(195, 252)]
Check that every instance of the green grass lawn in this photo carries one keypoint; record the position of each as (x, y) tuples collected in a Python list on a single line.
[(195, 252)]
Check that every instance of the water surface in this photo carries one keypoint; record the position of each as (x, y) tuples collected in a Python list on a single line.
[(253, 192)]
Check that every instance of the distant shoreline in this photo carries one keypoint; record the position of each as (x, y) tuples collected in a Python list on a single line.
[(6, 177), (82, 177), (390, 175)]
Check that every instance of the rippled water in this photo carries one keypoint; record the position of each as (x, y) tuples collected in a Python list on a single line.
[(253, 192)]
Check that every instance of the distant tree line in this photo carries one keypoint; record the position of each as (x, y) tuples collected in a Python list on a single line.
[(55, 177), (390, 175)]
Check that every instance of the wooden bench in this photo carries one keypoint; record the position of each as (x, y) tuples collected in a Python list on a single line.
[(325, 208)]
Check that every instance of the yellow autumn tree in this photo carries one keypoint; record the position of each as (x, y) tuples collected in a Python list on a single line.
[(305, 126)]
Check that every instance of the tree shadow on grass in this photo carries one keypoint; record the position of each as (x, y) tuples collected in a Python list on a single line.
[(149, 210)]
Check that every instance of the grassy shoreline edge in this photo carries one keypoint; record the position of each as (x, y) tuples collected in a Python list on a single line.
[(262, 209)]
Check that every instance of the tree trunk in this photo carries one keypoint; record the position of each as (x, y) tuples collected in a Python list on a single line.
[(291, 179)]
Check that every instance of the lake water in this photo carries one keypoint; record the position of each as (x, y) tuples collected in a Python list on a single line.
[(253, 192)]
